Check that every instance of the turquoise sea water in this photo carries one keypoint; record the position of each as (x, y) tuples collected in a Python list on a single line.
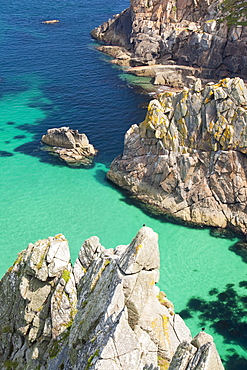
[(52, 76)]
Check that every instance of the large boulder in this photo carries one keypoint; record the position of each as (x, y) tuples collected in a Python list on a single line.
[(104, 313), (70, 146), (188, 157)]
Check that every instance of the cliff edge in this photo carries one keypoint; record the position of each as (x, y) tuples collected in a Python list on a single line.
[(105, 312), (209, 37), (188, 157)]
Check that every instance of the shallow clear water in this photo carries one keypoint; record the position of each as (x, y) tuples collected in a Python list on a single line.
[(52, 76)]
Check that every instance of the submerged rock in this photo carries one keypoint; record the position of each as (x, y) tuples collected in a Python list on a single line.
[(188, 157), (105, 313), (69, 146)]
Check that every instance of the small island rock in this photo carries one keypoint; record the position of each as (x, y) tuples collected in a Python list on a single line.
[(52, 21), (70, 146)]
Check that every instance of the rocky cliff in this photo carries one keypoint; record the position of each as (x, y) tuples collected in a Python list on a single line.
[(210, 37), (188, 157), (103, 313)]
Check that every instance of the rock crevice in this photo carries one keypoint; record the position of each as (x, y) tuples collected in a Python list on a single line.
[(106, 312), (188, 158), (178, 41)]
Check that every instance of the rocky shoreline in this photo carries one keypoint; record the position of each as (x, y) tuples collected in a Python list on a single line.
[(185, 39), (105, 312), (188, 158)]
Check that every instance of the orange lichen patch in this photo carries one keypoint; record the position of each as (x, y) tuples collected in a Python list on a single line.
[(211, 126), (209, 97), (138, 248), (161, 296), (154, 324), (165, 328), (163, 363), (161, 336), (165, 302)]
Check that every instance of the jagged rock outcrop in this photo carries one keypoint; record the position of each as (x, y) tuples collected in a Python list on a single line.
[(201, 353), (69, 146), (39, 300), (104, 313), (208, 36), (188, 158)]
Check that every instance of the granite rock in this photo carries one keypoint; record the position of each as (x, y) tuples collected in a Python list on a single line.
[(205, 35), (187, 159), (105, 313), (70, 146), (39, 299), (201, 354)]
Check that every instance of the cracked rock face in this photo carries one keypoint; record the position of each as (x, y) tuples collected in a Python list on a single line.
[(182, 32), (200, 354), (188, 158), (70, 146), (104, 313), (39, 299)]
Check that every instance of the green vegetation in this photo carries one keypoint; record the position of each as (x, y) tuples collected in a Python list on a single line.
[(40, 263), (10, 365), (54, 349), (6, 329), (66, 275), (19, 258), (90, 360), (234, 12)]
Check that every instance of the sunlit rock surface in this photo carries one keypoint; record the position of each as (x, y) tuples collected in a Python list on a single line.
[(188, 157), (207, 36), (104, 313), (70, 146)]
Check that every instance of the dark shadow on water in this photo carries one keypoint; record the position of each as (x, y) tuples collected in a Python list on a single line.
[(17, 137), (100, 176), (217, 232), (36, 103), (240, 249), (35, 149), (226, 314), (235, 362), (185, 314), (3, 153), (243, 284)]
